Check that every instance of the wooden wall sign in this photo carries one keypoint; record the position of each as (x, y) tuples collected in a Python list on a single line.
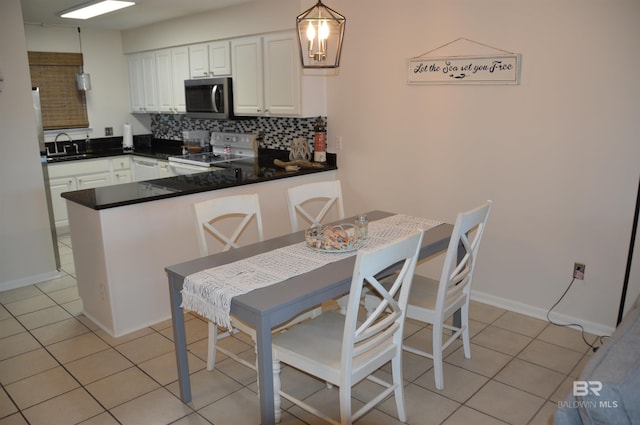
[(502, 68)]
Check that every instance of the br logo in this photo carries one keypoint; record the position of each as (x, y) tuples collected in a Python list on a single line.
[(583, 388)]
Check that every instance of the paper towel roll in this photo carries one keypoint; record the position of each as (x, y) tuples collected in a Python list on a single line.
[(127, 137)]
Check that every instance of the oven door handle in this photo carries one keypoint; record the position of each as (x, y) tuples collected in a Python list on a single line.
[(182, 169)]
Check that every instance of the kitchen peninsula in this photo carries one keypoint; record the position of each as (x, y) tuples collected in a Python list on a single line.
[(125, 235)]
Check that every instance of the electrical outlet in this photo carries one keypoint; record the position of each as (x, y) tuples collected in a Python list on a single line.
[(108, 131), (578, 271)]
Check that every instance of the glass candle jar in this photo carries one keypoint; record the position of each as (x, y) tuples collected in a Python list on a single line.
[(362, 227)]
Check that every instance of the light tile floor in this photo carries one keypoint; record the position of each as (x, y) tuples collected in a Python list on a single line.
[(56, 367)]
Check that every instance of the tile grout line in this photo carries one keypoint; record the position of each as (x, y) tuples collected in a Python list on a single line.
[(60, 364)]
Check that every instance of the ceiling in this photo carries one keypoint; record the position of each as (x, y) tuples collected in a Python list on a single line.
[(144, 12)]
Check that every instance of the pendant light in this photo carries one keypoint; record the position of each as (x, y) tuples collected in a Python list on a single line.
[(83, 80), (320, 34)]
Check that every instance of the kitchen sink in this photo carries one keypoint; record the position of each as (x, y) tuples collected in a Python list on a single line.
[(69, 157)]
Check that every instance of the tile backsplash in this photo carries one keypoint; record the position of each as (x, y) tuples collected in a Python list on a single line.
[(275, 132)]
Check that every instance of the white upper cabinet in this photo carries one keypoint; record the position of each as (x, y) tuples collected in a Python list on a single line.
[(150, 82), (199, 61), (180, 72), (157, 80), (220, 58), (281, 74), (136, 83), (210, 59), (142, 82), (172, 66), (266, 75), (265, 70), (165, 80), (248, 92)]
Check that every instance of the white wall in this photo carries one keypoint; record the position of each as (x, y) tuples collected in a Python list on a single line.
[(108, 99), (246, 19), (558, 154), (26, 247)]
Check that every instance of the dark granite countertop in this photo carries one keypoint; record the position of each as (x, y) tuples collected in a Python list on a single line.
[(163, 152), (234, 173)]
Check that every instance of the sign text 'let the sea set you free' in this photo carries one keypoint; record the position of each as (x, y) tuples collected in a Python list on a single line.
[(495, 69)]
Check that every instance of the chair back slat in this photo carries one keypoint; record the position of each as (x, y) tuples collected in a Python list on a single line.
[(460, 260), (304, 202), (383, 327), (211, 214)]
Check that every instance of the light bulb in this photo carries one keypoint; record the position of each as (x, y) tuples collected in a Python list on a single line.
[(311, 32), (323, 31)]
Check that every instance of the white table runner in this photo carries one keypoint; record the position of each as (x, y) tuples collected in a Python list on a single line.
[(209, 292)]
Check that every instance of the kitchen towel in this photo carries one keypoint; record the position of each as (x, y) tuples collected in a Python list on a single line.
[(127, 137)]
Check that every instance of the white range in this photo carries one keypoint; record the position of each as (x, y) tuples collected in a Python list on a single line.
[(224, 147)]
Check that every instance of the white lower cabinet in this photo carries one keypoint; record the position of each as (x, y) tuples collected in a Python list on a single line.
[(91, 181), (122, 176), (85, 174), (58, 204), (121, 168)]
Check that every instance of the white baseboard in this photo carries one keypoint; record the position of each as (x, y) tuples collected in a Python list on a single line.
[(539, 313), (30, 280)]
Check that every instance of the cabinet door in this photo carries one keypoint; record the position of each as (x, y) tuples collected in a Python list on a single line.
[(136, 82), (199, 61), (58, 203), (150, 81), (179, 73), (220, 58), (121, 163), (281, 74), (90, 181), (122, 176), (164, 80), (246, 58)]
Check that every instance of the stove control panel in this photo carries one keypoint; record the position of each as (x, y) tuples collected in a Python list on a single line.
[(245, 144)]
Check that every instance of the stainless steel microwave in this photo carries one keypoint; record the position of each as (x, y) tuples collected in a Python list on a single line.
[(209, 98)]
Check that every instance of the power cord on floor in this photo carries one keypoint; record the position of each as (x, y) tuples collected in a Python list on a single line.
[(591, 345)]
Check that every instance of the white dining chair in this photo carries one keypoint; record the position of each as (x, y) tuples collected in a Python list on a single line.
[(434, 302), (341, 350), (220, 223), (313, 202)]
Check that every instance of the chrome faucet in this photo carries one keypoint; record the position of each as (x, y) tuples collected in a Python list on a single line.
[(55, 144)]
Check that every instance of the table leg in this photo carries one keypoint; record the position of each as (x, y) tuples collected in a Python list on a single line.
[(180, 340), (265, 372)]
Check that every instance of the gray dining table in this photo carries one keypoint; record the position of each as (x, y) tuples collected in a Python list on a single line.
[(268, 307)]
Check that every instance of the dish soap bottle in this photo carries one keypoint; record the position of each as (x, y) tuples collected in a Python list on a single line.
[(87, 145)]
